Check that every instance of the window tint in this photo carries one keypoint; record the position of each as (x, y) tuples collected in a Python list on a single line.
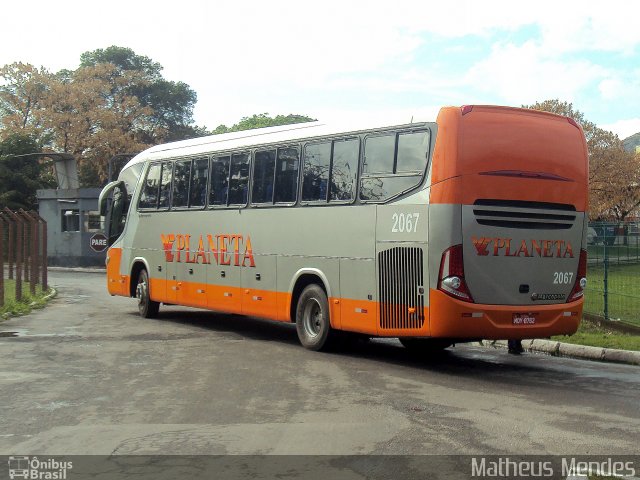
[(286, 190), (149, 195), (344, 170), (263, 168), (379, 154), (381, 188), (219, 180), (165, 185), (315, 173), (181, 173), (412, 151), (198, 190), (239, 181)]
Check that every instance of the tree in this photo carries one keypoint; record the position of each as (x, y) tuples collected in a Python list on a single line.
[(613, 172), (92, 116), (171, 102), (115, 102), (262, 120), (20, 177), (21, 96)]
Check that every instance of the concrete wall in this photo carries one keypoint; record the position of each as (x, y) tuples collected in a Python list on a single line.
[(70, 248)]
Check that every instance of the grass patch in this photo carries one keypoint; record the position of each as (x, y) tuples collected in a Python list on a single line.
[(623, 292), (596, 335), (28, 302), (616, 253)]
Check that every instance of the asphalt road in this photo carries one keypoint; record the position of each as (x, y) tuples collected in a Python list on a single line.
[(86, 375)]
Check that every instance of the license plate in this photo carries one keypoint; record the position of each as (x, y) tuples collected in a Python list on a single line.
[(524, 318)]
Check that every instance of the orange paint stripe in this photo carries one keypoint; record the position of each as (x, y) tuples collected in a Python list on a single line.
[(117, 284), (453, 318)]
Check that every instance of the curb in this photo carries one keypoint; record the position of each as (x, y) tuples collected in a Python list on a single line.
[(78, 269), (559, 349), (46, 298)]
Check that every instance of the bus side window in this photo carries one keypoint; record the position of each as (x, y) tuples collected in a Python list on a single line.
[(181, 173), (219, 181), (412, 152), (263, 168), (379, 153), (165, 185), (286, 187), (315, 172), (149, 195), (344, 170), (239, 179), (380, 188), (394, 164), (198, 189)]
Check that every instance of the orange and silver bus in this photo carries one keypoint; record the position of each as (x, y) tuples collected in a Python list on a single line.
[(470, 227)]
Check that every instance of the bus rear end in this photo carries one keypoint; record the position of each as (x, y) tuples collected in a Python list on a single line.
[(507, 223)]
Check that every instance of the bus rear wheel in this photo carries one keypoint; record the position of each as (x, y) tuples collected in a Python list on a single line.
[(312, 319), (147, 307), (425, 345)]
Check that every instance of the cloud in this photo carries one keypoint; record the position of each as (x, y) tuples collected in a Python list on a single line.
[(624, 128), (524, 74), (252, 56)]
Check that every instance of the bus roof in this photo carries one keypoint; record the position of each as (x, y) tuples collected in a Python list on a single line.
[(258, 136)]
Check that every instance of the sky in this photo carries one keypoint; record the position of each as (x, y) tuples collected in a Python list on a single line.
[(348, 60)]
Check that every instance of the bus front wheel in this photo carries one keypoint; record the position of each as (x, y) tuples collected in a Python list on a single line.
[(147, 307), (312, 319)]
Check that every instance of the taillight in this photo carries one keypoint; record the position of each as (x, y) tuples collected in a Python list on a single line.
[(581, 278), (451, 277)]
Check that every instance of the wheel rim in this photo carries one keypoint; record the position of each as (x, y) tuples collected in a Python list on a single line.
[(141, 291), (312, 318)]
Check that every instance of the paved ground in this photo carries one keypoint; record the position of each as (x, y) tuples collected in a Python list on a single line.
[(87, 375)]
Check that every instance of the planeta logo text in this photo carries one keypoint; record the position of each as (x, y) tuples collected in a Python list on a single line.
[(507, 247), (224, 249)]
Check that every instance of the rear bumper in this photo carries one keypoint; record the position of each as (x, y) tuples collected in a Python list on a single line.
[(451, 318)]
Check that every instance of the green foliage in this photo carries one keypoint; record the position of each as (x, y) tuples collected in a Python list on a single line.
[(20, 177), (116, 102), (262, 120), (124, 59), (622, 291), (598, 335), (13, 307), (171, 102)]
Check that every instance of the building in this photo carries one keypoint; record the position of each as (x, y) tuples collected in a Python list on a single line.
[(72, 220)]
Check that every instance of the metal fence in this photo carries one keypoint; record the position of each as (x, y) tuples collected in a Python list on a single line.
[(23, 254), (613, 271)]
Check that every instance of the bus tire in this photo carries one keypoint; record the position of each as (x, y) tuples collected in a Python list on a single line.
[(425, 345), (313, 322), (147, 307)]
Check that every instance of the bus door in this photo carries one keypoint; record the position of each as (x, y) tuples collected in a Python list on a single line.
[(114, 209)]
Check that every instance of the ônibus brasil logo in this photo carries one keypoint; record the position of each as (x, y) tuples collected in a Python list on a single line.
[(21, 466)]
